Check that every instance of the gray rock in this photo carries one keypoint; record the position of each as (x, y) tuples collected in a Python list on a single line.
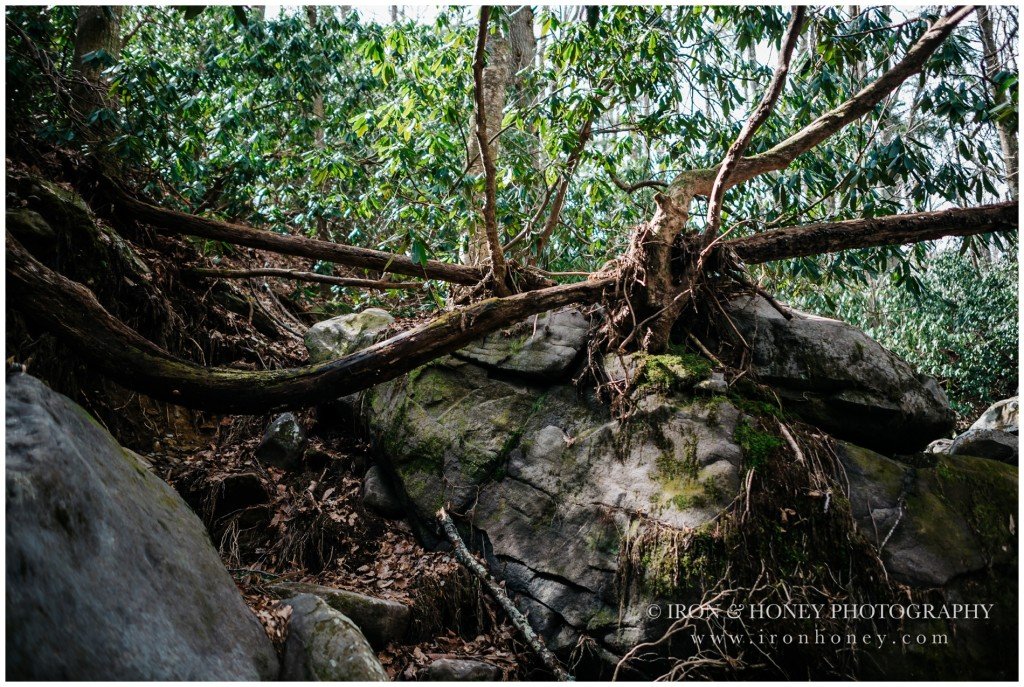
[(987, 443), (380, 620), (110, 576), (714, 384), (462, 670), (950, 526), (1002, 416), (552, 479), (339, 336), (378, 494), (323, 645), (557, 488), (31, 229), (939, 446), (283, 443), (937, 532), (544, 345), (839, 379)]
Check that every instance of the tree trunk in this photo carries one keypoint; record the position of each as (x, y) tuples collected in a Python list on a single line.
[(496, 76), (829, 237), (98, 28), (1007, 135), (71, 312)]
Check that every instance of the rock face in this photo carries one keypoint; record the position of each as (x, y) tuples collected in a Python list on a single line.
[(558, 492), (543, 346), (987, 443), (380, 620), (839, 379), (951, 520), (378, 494), (553, 479), (283, 443), (949, 526), (457, 670), (325, 646), (110, 576), (344, 334), (1002, 416)]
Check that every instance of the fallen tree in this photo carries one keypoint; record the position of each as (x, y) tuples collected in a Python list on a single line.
[(645, 291), (894, 230), (71, 312)]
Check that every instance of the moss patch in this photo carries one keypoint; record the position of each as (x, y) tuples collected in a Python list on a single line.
[(757, 445)]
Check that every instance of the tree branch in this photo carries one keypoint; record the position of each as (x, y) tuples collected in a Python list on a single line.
[(829, 237), (761, 113), (179, 223), (700, 181), (487, 156), (71, 312), (563, 187), (519, 621), (216, 273)]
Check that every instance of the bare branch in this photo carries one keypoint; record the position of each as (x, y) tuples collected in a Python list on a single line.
[(829, 237), (180, 223), (498, 266), (298, 275), (633, 188), (519, 621), (700, 181), (761, 113), (563, 187)]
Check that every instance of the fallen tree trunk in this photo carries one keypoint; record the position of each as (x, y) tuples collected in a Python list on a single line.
[(829, 237), (180, 223), (71, 312), (297, 275)]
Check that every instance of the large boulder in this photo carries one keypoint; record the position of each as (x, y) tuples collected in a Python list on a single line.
[(325, 646), (553, 481), (838, 378), (987, 443), (543, 346), (110, 576), (339, 336), (1002, 416), (950, 526), (382, 621), (559, 493)]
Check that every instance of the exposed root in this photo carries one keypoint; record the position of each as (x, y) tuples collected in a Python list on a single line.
[(794, 500)]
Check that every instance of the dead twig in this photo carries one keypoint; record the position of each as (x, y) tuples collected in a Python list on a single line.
[(519, 621)]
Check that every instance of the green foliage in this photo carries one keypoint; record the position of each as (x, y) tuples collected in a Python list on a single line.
[(959, 323), (219, 110)]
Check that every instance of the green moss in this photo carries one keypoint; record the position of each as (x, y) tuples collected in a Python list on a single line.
[(757, 445), (677, 370)]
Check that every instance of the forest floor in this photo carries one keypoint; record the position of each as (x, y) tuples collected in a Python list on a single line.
[(310, 525), (269, 525)]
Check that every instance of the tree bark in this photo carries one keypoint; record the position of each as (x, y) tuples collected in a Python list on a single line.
[(98, 28), (1007, 135), (829, 237), (71, 312), (489, 96)]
